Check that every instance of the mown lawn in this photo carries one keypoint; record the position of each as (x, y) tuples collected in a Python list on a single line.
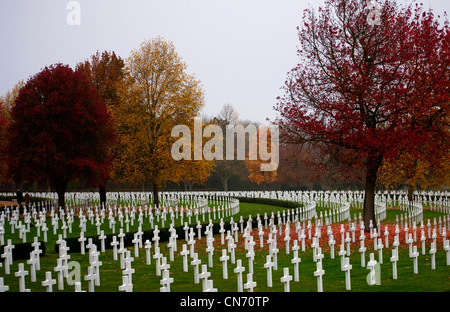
[(146, 280)]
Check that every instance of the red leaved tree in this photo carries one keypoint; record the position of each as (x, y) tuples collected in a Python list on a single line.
[(60, 130), (105, 71), (365, 90)]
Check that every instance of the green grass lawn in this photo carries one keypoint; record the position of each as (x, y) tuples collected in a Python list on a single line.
[(146, 280)]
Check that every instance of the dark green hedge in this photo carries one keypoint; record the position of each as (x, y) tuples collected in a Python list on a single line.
[(270, 201), (22, 251)]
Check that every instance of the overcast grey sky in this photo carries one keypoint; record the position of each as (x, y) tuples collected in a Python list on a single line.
[(240, 50)]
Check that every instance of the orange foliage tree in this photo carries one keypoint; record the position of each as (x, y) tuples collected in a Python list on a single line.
[(254, 160), (156, 95)]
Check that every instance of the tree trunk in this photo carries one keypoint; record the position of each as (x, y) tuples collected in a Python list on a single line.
[(102, 192), (61, 187), (155, 195), (410, 193), (225, 184), (369, 199)]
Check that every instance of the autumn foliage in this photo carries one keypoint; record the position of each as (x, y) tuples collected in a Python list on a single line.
[(157, 93), (105, 71), (363, 93), (254, 160), (60, 130)]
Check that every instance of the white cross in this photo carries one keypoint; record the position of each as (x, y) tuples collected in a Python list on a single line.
[(224, 259), (199, 230), (415, 256), (371, 266), (447, 250), (126, 285), (380, 251), (102, 238), (342, 253), (164, 265), (394, 260), (362, 250), (302, 236), (375, 240), (261, 236), (222, 232), (347, 241), (49, 282), (347, 267), (186, 229), (319, 273), (386, 237), (121, 235), (250, 255), (231, 249), (114, 244), (139, 233), (433, 255), (296, 260), (33, 263), (185, 253), (204, 276), (128, 269), (21, 273), (191, 242), (210, 251), (314, 245), (409, 241), (269, 265), (396, 243), (274, 255), (195, 262), (60, 268), (286, 280), (331, 243), (96, 267), (287, 238), (238, 270), (36, 252), (250, 283), (209, 286), (423, 239), (155, 236), (8, 255), (148, 246), (135, 241), (3, 287), (157, 256), (166, 280), (353, 228)]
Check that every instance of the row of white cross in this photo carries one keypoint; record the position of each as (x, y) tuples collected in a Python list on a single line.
[(162, 265)]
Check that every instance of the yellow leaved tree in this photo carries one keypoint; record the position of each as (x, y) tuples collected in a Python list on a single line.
[(156, 95)]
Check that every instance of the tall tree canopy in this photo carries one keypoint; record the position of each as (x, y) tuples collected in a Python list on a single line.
[(60, 130), (365, 91), (105, 71), (156, 95)]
